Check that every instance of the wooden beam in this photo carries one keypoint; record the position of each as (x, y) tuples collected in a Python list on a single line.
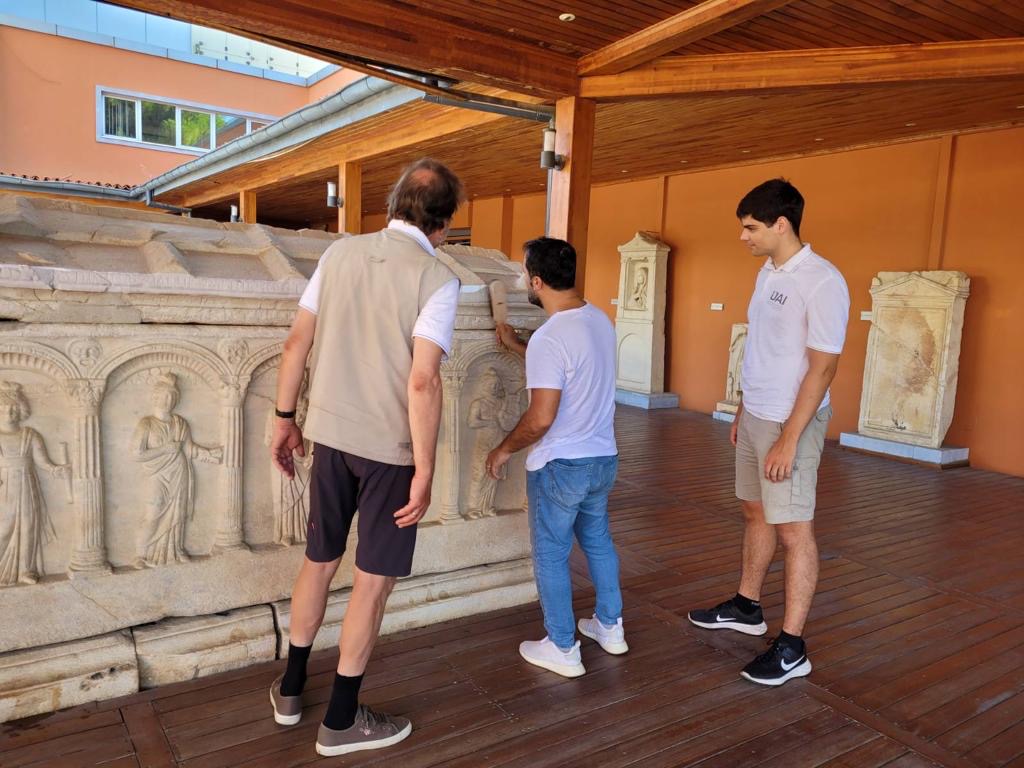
[(390, 134), (386, 33), (689, 26), (791, 70), (247, 205), (350, 187), (569, 196)]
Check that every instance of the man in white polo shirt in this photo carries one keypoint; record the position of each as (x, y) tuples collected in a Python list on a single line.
[(797, 326), (571, 467)]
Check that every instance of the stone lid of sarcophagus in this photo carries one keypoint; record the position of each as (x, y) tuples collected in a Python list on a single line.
[(66, 261)]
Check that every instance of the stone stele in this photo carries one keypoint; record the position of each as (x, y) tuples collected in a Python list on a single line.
[(640, 324), (137, 376), (733, 391), (913, 356)]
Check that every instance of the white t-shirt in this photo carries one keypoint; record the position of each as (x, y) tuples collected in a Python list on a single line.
[(436, 321), (804, 303), (574, 351)]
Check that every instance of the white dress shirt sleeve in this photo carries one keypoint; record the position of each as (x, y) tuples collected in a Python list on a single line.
[(436, 322)]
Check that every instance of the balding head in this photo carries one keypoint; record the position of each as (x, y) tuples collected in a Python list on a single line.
[(427, 195)]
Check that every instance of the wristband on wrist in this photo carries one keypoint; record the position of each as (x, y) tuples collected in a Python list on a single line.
[(284, 414)]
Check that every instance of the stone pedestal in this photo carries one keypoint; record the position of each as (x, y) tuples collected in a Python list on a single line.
[(640, 324), (725, 410), (142, 381), (912, 363)]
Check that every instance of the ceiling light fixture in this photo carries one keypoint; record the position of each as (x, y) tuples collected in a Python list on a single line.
[(910, 125), (567, 17)]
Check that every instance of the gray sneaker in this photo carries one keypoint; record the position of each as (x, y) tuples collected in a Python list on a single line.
[(371, 730), (287, 709)]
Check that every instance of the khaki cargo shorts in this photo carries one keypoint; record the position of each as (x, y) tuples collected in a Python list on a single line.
[(791, 500)]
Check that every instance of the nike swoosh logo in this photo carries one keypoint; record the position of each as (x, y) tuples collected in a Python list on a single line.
[(788, 667), (719, 617)]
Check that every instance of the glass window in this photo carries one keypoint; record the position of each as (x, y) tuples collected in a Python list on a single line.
[(256, 125), (119, 117), (195, 129), (229, 128), (158, 123)]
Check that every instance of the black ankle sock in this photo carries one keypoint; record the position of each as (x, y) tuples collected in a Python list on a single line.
[(793, 641), (745, 604), (294, 679), (341, 712)]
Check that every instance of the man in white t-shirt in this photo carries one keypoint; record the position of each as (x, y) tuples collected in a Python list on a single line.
[(571, 467), (797, 327)]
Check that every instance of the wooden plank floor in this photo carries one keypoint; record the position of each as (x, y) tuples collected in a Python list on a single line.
[(917, 640)]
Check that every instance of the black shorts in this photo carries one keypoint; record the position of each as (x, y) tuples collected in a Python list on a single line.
[(340, 484)]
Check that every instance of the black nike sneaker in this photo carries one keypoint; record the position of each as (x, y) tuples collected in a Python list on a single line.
[(781, 662), (728, 615)]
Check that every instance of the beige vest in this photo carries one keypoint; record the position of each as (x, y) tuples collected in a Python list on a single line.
[(373, 289)]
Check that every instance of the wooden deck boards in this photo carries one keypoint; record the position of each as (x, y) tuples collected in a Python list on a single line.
[(916, 635)]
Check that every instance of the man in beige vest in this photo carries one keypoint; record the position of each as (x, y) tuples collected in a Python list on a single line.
[(375, 322)]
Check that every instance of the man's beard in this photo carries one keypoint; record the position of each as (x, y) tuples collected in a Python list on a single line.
[(533, 298)]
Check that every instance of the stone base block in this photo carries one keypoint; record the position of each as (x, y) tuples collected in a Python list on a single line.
[(422, 600), (647, 400), (946, 456), (724, 416), (726, 407), (186, 648), (64, 675)]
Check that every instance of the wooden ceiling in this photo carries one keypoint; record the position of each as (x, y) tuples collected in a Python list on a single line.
[(681, 85)]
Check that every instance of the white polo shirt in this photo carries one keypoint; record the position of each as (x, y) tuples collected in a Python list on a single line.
[(436, 321), (802, 304)]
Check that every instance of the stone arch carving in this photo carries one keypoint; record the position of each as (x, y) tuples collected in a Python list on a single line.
[(192, 357), (479, 351), (39, 358), (261, 360)]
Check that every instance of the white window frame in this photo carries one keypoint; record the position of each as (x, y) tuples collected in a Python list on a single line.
[(178, 104)]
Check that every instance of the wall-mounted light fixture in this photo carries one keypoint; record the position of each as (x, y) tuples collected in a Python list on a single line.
[(234, 214), (333, 201), (549, 160)]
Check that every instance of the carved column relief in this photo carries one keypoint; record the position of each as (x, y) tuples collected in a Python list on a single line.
[(452, 383), (230, 533), (88, 552)]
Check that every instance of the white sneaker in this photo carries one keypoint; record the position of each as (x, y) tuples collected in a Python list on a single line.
[(547, 655), (612, 639)]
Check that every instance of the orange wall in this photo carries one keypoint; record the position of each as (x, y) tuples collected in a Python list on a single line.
[(48, 97), (867, 211)]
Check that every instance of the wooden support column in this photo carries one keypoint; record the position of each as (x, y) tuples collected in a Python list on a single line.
[(247, 205), (940, 209), (350, 187), (569, 188)]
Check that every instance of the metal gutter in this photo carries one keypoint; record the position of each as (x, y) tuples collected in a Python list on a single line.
[(17, 183)]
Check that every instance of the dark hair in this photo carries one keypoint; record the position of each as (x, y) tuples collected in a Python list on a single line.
[(768, 201), (426, 195), (553, 261)]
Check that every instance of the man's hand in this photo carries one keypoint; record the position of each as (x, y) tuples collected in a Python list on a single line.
[(778, 464), (287, 438), (419, 500), (734, 430), (508, 339), (496, 460)]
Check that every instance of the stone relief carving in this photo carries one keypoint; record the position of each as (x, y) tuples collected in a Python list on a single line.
[(638, 298), (85, 352), (24, 521), (490, 418), (163, 444), (291, 496), (234, 351)]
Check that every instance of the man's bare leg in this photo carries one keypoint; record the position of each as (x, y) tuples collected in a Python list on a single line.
[(363, 617), (309, 600), (759, 544), (801, 573)]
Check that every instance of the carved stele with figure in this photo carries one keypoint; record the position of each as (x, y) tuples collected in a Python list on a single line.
[(913, 356), (733, 392), (291, 495), (640, 324), (490, 418)]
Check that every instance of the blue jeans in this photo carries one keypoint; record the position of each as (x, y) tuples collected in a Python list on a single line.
[(567, 497)]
